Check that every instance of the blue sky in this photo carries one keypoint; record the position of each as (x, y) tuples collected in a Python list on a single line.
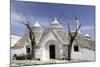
[(45, 13)]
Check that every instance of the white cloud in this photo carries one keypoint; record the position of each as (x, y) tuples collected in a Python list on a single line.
[(87, 27), (16, 17), (16, 20)]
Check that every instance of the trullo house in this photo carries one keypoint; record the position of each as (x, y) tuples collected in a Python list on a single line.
[(52, 43)]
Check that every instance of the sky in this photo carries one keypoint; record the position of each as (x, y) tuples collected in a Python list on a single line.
[(46, 12)]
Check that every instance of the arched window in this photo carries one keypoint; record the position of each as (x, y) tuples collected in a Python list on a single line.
[(76, 48)]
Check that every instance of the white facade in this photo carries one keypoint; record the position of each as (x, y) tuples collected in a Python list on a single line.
[(50, 40), (83, 54), (52, 43)]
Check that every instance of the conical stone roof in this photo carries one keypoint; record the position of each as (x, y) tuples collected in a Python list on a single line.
[(55, 25)]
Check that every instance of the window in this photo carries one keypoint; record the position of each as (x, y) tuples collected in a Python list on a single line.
[(28, 50), (76, 48)]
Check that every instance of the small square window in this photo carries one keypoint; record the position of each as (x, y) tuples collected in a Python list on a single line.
[(76, 48)]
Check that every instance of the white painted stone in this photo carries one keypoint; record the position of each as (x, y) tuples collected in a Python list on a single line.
[(83, 54), (50, 40), (87, 35), (61, 50), (37, 24), (55, 21)]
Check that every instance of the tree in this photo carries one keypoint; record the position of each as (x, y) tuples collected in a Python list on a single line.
[(26, 23), (72, 37), (32, 39)]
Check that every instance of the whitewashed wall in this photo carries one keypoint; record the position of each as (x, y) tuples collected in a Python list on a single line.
[(83, 54), (18, 51), (45, 47), (38, 53)]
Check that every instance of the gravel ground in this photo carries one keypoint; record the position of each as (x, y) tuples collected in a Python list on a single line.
[(35, 62), (15, 63)]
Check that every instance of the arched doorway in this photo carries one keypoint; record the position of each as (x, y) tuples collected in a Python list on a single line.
[(52, 51)]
